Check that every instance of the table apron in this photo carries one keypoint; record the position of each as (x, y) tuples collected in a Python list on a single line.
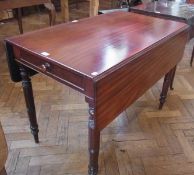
[(59, 73)]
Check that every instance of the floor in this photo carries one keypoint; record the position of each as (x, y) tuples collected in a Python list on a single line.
[(141, 141)]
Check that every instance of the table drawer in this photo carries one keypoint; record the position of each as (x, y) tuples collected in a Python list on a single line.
[(49, 68)]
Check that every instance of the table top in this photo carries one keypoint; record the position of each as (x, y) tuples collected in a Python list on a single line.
[(96, 46), (173, 10)]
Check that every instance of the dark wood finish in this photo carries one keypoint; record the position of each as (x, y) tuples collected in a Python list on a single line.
[(29, 98), (94, 139), (19, 18), (3, 172), (118, 57), (192, 57), (166, 85), (172, 78), (109, 90), (14, 4), (177, 11)]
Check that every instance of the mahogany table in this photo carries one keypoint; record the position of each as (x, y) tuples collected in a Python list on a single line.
[(118, 57), (177, 11)]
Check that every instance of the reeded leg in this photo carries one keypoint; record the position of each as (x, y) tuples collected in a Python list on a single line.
[(28, 94), (166, 84), (93, 142), (192, 56), (172, 78)]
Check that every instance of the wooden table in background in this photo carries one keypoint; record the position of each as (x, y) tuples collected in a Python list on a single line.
[(111, 59), (173, 10), (18, 4), (94, 5)]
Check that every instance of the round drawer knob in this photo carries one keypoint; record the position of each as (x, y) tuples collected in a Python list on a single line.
[(45, 67)]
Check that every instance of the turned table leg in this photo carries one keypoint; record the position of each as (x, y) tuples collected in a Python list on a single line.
[(28, 94), (192, 56), (52, 12), (166, 85), (19, 18), (172, 78), (93, 142)]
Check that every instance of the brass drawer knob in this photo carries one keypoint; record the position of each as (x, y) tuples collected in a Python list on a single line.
[(45, 67)]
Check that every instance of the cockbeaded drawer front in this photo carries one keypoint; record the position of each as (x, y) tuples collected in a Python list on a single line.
[(52, 69)]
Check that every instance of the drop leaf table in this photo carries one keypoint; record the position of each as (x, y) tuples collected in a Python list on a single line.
[(112, 59)]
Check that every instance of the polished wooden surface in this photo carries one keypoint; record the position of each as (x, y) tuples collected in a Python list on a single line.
[(96, 57), (122, 55)]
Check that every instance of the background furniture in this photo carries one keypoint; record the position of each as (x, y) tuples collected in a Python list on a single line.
[(123, 3), (177, 11), (15, 4), (94, 5), (113, 10), (121, 56), (6, 14), (3, 152)]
